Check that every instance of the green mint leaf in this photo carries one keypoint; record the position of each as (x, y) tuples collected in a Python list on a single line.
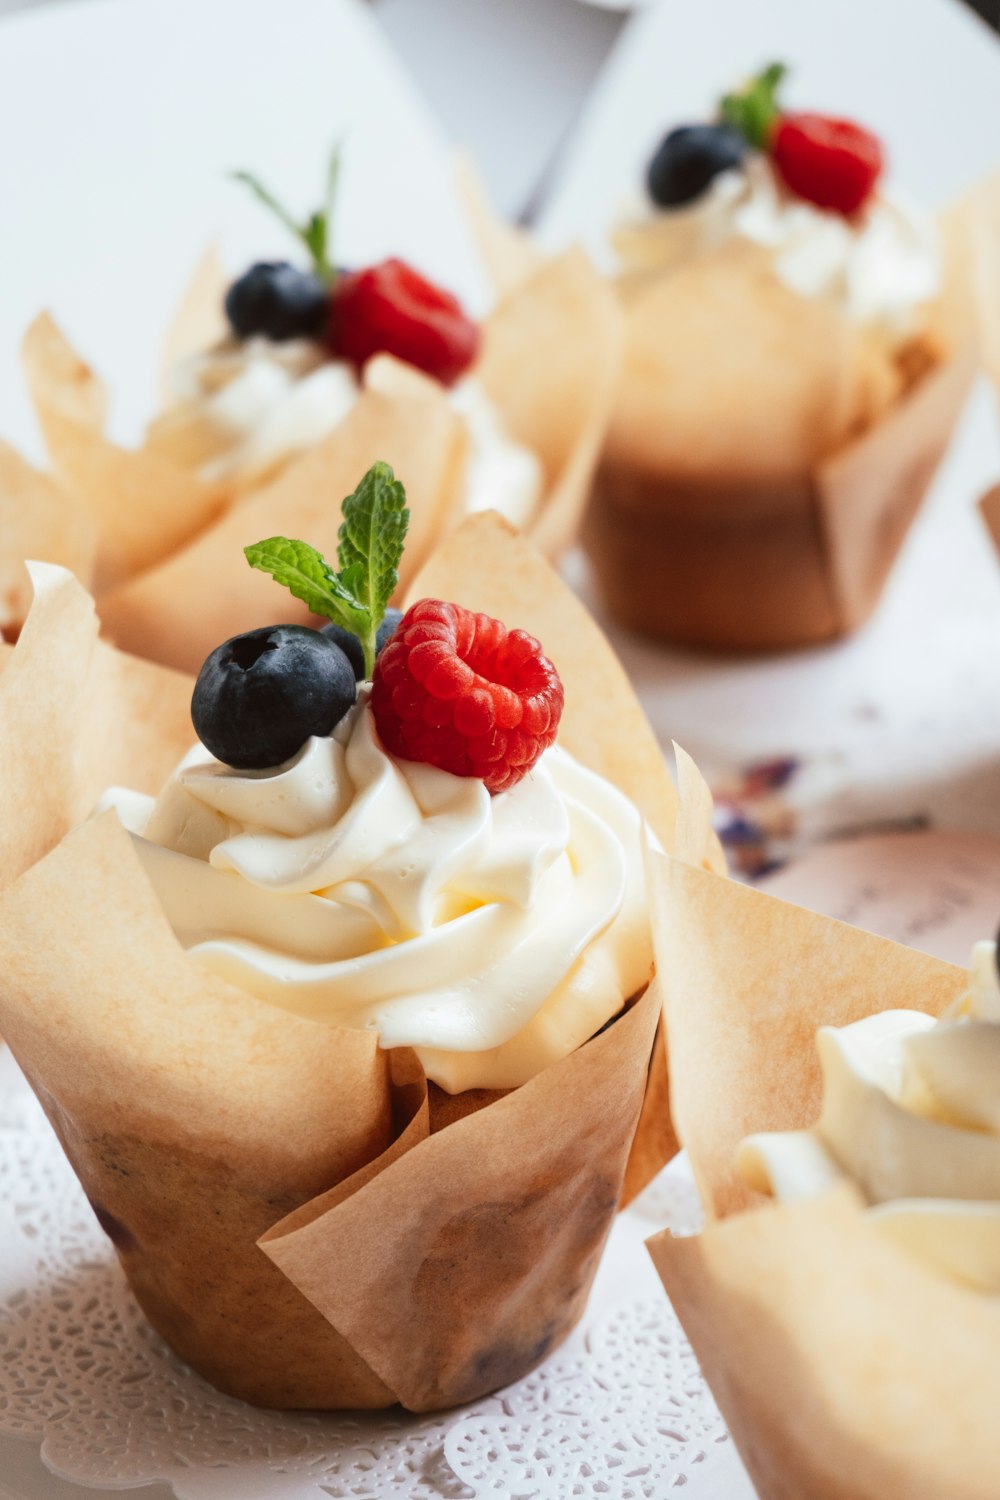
[(753, 110), (371, 539), (306, 574)]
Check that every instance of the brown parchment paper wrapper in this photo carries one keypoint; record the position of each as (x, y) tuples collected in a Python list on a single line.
[(77, 716), (199, 319), (748, 980), (846, 1369), (510, 255), (37, 519), (299, 1214), (142, 505), (767, 511), (970, 230), (171, 582), (989, 509)]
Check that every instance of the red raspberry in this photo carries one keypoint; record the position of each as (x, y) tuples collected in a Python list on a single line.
[(832, 163), (391, 309), (462, 692)]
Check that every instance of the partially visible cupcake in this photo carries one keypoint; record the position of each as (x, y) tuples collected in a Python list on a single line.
[(313, 373), (911, 1117), (790, 381), (836, 1325)]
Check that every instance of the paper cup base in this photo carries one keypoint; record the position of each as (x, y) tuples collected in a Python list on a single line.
[(740, 565), (727, 571)]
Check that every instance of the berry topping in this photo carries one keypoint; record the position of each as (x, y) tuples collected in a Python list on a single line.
[(689, 158), (351, 645), (391, 309), (260, 696), (278, 301), (832, 163), (460, 691)]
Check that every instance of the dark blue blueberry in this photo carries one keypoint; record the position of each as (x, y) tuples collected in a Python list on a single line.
[(387, 629), (260, 696), (279, 301), (689, 158), (351, 646)]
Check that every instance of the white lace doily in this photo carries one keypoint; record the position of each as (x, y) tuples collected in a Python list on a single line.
[(619, 1412)]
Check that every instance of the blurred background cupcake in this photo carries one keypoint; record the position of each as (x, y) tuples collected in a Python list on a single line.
[(794, 368)]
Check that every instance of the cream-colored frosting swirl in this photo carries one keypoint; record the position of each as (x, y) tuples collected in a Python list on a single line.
[(911, 1114), (258, 403), (493, 934), (880, 266)]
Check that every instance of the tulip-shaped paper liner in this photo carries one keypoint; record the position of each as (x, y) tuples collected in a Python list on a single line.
[(846, 1368), (171, 580), (37, 519), (971, 233), (75, 716), (143, 506), (300, 1216), (989, 508)]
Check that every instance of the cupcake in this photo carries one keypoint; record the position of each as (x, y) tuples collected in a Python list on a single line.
[(280, 388), (791, 377), (348, 1027), (848, 1331)]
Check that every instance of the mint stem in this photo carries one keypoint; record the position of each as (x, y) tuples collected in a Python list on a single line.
[(368, 647), (315, 233)]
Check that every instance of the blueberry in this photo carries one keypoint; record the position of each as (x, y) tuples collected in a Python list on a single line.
[(260, 696), (275, 299), (689, 158), (351, 646), (390, 620)]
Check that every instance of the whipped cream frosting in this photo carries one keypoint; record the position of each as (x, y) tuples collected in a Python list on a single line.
[(880, 266), (911, 1115), (492, 934), (261, 402)]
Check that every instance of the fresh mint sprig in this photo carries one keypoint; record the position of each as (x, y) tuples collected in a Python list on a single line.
[(753, 109), (371, 537), (316, 234)]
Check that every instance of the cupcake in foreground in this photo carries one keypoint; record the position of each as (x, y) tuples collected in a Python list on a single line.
[(314, 372), (791, 379), (836, 1326), (348, 1032)]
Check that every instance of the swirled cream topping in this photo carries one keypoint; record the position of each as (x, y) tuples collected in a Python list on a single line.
[(244, 408), (911, 1114), (493, 934), (880, 266)]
